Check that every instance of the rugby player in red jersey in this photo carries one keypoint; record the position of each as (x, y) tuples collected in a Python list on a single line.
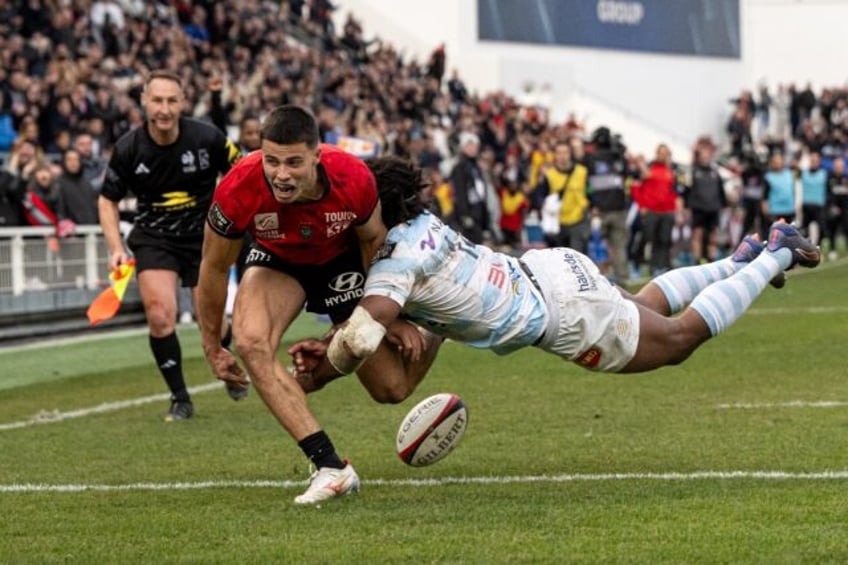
[(315, 219)]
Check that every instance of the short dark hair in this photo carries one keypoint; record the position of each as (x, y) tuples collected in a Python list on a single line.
[(399, 185), (164, 74), (289, 125)]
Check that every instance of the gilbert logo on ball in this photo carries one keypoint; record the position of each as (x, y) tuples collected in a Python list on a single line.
[(432, 429)]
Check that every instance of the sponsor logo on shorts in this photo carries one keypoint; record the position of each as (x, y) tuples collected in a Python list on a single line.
[(589, 358), (347, 281), (218, 220), (575, 265), (349, 286), (257, 256)]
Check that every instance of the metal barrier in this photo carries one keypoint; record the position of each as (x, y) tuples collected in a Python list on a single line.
[(32, 259), (47, 284)]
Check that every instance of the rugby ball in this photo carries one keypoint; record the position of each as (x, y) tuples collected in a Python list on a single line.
[(432, 429)]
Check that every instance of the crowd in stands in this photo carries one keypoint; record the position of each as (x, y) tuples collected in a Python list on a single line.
[(501, 171)]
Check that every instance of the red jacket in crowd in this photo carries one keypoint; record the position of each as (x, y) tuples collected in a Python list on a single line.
[(657, 191)]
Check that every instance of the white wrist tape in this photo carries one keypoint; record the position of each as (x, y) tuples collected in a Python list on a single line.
[(354, 343)]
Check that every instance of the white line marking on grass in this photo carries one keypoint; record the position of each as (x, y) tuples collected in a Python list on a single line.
[(799, 310), (790, 404), (51, 417), (441, 481)]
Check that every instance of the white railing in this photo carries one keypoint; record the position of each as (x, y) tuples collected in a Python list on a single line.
[(30, 261)]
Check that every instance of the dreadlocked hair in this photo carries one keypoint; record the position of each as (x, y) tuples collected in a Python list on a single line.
[(399, 186)]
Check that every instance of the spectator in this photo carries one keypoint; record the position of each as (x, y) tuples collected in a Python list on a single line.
[(568, 180), (436, 64), (470, 192), (93, 167), (753, 191), (607, 175), (813, 197), (779, 197), (837, 205), (12, 190), (660, 205), (705, 199), (77, 199), (42, 197), (249, 138), (514, 205), (8, 134)]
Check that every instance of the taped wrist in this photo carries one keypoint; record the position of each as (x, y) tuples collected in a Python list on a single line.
[(355, 342)]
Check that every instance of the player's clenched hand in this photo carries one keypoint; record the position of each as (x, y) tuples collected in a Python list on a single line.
[(406, 338), (307, 353), (225, 368)]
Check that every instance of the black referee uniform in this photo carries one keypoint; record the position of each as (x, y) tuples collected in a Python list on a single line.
[(173, 186)]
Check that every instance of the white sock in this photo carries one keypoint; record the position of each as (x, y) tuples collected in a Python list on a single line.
[(723, 302), (681, 286)]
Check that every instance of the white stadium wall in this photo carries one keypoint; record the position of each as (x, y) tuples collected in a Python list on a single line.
[(648, 97)]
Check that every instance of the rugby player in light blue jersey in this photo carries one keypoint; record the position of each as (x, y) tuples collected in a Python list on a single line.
[(554, 299)]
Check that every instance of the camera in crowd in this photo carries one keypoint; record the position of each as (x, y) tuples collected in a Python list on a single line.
[(603, 140)]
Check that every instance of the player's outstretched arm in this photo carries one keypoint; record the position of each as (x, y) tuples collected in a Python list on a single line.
[(219, 253)]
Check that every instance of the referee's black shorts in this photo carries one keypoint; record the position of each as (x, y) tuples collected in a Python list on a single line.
[(179, 254)]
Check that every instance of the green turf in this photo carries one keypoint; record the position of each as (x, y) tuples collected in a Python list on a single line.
[(530, 415)]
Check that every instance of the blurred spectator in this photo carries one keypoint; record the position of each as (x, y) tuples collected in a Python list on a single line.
[(23, 159), (753, 191), (8, 133), (469, 190), (813, 197), (837, 205), (442, 196), (42, 197), (12, 190), (739, 130), (705, 199), (93, 166), (77, 199), (514, 205), (607, 175), (779, 197), (763, 111), (568, 180), (660, 204), (436, 63), (249, 138)]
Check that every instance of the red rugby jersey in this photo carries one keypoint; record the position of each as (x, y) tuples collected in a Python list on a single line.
[(304, 232)]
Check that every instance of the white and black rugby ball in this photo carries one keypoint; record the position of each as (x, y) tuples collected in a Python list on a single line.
[(432, 429)]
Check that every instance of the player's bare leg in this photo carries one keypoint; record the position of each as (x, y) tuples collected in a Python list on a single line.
[(667, 341)]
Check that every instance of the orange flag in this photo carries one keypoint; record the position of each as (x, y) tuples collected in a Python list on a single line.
[(107, 303)]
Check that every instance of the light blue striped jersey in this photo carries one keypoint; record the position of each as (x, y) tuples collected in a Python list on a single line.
[(456, 289)]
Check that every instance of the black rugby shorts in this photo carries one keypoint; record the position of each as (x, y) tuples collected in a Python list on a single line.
[(154, 251)]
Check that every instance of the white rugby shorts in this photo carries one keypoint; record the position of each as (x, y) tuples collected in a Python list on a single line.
[(591, 323)]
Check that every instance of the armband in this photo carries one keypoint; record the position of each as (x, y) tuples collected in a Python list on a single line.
[(354, 343)]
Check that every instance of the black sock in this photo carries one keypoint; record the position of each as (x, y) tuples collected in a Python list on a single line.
[(228, 337), (169, 358), (319, 449)]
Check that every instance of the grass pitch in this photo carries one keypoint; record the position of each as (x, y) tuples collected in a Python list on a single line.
[(739, 455)]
